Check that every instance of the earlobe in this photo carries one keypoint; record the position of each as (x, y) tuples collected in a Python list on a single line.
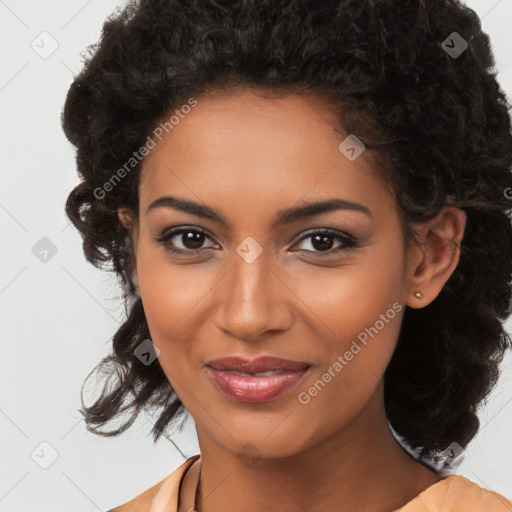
[(437, 256), (125, 217), (127, 220)]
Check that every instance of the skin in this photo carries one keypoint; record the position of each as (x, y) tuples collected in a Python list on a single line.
[(250, 157)]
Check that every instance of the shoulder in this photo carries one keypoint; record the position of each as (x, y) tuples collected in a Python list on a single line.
[(456, 493), (169, 485)]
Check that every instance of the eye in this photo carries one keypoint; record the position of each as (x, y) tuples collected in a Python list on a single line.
[(191, 239), (322, 241)]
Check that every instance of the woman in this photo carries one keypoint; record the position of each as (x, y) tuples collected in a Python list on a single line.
[(307, 204)]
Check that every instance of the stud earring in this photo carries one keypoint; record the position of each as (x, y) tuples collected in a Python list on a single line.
[(419, 295)]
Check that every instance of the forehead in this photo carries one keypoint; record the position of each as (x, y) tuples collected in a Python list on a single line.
[(271, 148)]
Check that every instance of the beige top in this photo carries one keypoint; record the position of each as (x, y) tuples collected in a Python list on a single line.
[(453, 493)]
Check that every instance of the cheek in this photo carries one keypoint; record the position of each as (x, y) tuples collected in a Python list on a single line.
[(342, 302), (353, 367), (358, 310), (174, 297)]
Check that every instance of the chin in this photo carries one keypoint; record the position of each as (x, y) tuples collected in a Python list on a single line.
[(264, 439)]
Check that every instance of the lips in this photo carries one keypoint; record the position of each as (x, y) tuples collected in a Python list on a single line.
[(259, 365), (257, 380)]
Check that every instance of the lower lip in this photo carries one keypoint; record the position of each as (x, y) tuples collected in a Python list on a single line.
[(255, 389)]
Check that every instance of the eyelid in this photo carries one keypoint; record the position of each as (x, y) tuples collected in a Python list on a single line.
[(171, 232), (329, 231)]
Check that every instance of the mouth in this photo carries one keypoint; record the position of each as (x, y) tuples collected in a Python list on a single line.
[(258, 380)]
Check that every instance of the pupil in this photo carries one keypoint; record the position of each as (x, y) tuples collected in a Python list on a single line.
[(322, 244), (193, 239)]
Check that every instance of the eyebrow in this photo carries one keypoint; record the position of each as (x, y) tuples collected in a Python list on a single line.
[(286, 216)]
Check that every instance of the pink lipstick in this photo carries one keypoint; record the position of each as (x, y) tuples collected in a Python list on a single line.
[(257, 380)]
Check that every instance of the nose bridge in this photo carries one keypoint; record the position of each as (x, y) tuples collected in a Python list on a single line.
[(253, 300)]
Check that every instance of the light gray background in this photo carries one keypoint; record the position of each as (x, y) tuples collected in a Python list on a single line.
[(58, 317)]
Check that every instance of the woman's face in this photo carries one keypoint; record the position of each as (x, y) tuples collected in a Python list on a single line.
[(250, 287)]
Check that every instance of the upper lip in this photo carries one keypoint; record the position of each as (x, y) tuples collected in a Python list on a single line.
[(260, 364)]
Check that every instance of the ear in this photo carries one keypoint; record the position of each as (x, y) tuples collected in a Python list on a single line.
[(129, 222), (432, 260)]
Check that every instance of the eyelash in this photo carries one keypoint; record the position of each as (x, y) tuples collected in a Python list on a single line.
[(349, 242)]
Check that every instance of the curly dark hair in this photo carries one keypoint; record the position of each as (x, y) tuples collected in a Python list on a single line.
[(439, 123)]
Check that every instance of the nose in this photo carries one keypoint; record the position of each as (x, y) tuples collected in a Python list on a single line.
[(254, 299)]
